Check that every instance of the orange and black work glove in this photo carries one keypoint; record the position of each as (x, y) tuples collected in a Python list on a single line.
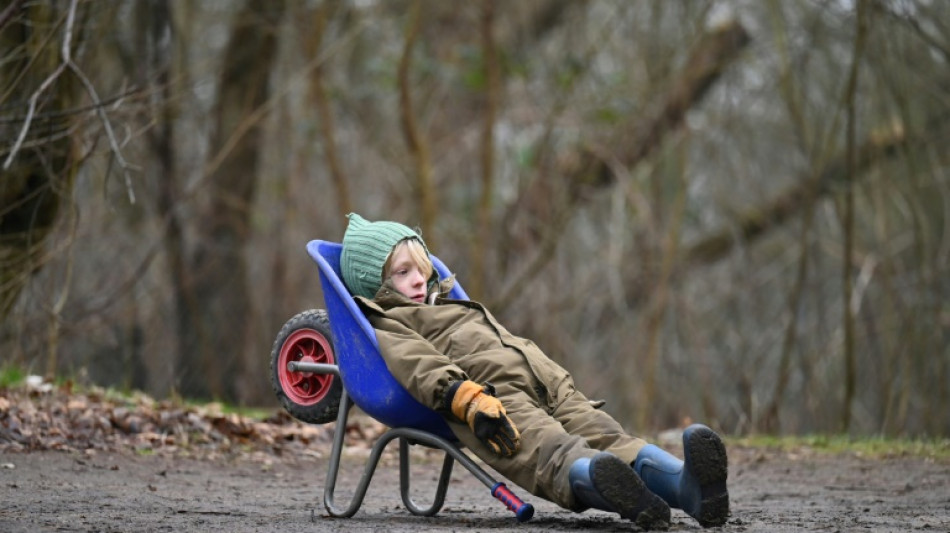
[(484, 413)]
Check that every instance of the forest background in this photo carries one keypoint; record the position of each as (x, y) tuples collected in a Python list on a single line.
[(729, 211)]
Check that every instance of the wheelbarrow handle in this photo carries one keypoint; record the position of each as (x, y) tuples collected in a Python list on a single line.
[(523, 511)]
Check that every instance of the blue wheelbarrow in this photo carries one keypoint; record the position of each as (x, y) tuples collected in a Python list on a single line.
[(324, 361)]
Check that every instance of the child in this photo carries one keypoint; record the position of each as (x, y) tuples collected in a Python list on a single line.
[(506, 401)]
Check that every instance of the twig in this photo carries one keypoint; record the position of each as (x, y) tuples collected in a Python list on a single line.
[(70, 20), (111, 101), (9, 11), (90, 89), (108, 127), (29, 114)]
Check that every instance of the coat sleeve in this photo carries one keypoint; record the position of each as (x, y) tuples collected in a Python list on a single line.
[(416, 364)]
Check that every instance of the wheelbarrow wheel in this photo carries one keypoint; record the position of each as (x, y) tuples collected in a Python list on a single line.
[(307, 396)]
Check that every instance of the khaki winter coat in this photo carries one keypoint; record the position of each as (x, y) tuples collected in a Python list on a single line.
[(427, 348)]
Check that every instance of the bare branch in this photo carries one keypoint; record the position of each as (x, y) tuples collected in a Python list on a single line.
[(7, 14), (108, 127), (29, 114), (914, 24), (68, 63), (113, 101), (758, 220), (594, 168)]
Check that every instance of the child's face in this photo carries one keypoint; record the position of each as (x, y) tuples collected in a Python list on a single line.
[(407, 277)]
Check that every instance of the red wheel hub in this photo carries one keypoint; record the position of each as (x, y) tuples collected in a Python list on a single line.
[(310, 346)]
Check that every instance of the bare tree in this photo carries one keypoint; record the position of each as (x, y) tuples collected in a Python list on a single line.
[(847, 218), (483, 218), (314, 39), (414, 136), (214, 303), (40, 98)]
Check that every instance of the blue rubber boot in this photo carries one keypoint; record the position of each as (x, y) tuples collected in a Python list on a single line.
[(607, 483), (696, 485)]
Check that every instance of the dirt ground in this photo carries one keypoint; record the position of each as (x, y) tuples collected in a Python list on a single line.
[(125, 491)]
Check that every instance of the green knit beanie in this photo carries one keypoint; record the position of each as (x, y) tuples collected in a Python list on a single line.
[(366, 246)]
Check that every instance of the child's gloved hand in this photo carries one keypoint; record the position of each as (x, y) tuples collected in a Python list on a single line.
[(484, 413)]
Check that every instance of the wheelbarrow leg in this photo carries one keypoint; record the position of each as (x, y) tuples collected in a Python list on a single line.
[(439, 500), (370, 468), (334, 466)]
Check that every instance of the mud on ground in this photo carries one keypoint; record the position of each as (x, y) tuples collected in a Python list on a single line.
[(88, 461), (128, 491)]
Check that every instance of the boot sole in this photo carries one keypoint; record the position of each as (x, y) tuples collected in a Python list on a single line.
[(626, 492), (706, 455)]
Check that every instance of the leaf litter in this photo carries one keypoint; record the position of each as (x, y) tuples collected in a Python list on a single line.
[(40, 416)]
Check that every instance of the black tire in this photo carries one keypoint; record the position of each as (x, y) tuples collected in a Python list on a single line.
[(311, 398)]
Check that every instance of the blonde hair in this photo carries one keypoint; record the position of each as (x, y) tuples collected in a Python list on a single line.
[(417, 254)]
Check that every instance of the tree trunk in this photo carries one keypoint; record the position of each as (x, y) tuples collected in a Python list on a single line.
[(660, 282), (318, 92), (214, 309), (415, 140), (847, 223), (479, 251)]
